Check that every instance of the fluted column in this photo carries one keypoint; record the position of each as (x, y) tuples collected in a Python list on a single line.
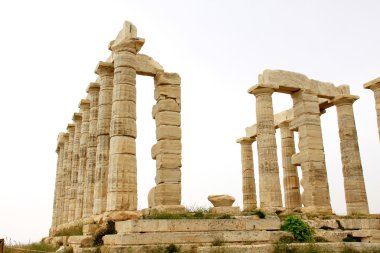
[(315, 197), (122, 178), (88, 196), (354, 187), (68, 171), (167, 150), (270, 189), (77, 118), (84, 106), (374, 85), (290, 175), (105, 71), (58, 179), (248, 185)]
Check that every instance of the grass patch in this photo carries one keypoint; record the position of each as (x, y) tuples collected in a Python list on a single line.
[(33, 247), (172, 248), (309, 248), (75, 230), (194, 215)]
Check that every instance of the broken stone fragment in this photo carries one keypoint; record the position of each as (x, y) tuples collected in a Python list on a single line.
[(221, 200)]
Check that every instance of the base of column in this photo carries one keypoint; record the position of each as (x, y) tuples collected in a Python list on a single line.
[(171, 209)]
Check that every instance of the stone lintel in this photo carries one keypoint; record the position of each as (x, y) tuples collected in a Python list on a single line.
[(246, 140), (262, 88), (84, 104), (147, 66), (77, 117), (104, 68), (373, 85), (344, 99), (93, 87)]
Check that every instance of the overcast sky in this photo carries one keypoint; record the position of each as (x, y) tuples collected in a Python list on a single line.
[(49, 50)]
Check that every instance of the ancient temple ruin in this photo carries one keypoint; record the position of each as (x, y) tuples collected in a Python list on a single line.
[(96, 172), (96, 179), (310, 100)]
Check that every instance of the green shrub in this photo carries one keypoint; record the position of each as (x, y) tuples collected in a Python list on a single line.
[(217, 242), (301, 231), (172, 249), (75, 230)]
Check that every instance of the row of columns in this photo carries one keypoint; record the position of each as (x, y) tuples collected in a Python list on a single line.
[(306, 122), (97, 167)]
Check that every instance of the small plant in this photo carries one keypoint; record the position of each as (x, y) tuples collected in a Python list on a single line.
[(261, 214), (320, 239), (301, 231), (172, 248), (226, 216), (286, 239), (217, 242)]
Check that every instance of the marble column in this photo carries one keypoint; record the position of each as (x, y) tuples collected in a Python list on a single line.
[(270, 189), (77, 118), (374, 85), (122, 174), (167, 150), (354, 187), (88, 194), (316, 196), (290, 175), (105, 71), (68, 171), (58, 179), (248, 183), (84, 106)]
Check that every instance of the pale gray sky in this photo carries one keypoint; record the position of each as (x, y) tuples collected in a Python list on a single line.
[(49, 50)]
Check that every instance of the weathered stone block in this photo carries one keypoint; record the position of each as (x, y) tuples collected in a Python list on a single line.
[(166, 105), (125, 59), (167, 194), (168, 133), (123, 145), (233, 210), (166, 147), (167, 91), (168, 161), (221, 200), (123, 127), (89, 229), (124, 109), (124, 91), (168, 118), (360, 223), (165, 78), (168, 176)]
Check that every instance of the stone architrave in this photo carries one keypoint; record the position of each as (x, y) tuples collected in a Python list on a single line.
[(88, 197), (374, 85), (68, 171), (167, 150), (62, 192), (290, 175), (248, 185), (105, 71), (354, 186), (77, 118), (270, 189), (315, 197), (85, 110), (58, 179), (122, 174)]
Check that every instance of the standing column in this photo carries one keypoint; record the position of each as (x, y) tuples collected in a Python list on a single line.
[(85, 110), (61, 202), (249, 186), (354, 187), (58, 179), (374, 85), (270, 189), (68, 171), (291, 180), (167, 150), (77, 118), (315, 197), (105, 71), (122, 178), (88, 196)]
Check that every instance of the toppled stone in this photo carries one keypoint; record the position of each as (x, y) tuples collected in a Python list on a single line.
[(221, 200)]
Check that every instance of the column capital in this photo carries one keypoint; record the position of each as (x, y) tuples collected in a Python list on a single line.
[(104, 68), (284, 124), (93, 87), (373, 85), (132, 45), (261, 89), (61, 139), (71, 128), (246, 140), (344, 100), (84, 104), (77, 117)]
